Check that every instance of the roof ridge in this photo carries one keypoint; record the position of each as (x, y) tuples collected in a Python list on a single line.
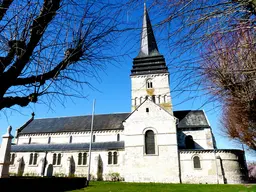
[(83, 115)]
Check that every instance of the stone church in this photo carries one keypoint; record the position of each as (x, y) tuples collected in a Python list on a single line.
[(152, 143)]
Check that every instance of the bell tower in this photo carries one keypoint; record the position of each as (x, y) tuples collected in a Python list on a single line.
[(149, 74)]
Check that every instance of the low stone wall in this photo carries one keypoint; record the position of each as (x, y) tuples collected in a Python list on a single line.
[(49, 184)]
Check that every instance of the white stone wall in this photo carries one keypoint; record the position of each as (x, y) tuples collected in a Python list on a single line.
[(81, 137), (161, 166), (224, 167), (161, 90), (63, 169), (202, 137)]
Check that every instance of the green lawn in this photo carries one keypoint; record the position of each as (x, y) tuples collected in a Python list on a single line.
[(157, 187)]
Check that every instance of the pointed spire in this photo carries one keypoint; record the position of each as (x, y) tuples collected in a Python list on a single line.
[(149, 60), (148, 46)]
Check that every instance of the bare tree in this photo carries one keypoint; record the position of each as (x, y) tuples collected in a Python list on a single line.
[(229, 70), (49, 47)]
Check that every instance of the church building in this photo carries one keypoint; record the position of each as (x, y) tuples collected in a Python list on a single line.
[(152, 143)]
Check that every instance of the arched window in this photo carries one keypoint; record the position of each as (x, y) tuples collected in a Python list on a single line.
[(35, 159), (59, 159), (30, 158), (70, 139), (115, 157), (49, 140), (79, 158), (29, 140), (149, 142), (84, 158), (109, 157), (196, 162), (93, 138), (158, 98), (154, 98), (189, 142), (54, 159), (141, 100), (165, 98), (118, 137), (149, 84), (12, 159)]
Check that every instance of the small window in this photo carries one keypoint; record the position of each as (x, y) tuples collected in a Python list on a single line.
[(196, 162), (149, 84), (112, 158), (59, 159), (31, 158), (150, 142), (93, 138), (118, 137), (84, 158), (70, 139), (29, 140), (115, 158), (49, 140), (54, 159), (159, 100), (154, 98), (79, 158), (35, 159), (165, 98), (141, 100), (12, 159), (109, 158), (147, 110)]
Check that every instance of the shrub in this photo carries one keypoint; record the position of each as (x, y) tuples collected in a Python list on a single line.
[(59, 175), (113, 177), (12, 174), (252, 172)]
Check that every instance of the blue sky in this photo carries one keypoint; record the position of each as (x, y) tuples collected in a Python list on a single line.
[(112, 90)]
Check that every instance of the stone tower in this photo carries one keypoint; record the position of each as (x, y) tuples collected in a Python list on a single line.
[(150, 135), (149, 74)]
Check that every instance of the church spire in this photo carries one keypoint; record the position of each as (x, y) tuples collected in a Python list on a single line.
[(149, 60), (148, 46)]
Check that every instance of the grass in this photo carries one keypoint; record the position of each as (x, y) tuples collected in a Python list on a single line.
[(158, 187)]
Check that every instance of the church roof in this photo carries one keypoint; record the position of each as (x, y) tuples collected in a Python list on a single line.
[(191, 119), (97, 146), (78, 123), (187, 119), (149, 60)]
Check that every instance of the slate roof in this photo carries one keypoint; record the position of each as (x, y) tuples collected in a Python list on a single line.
[(77, 123), (187, 119), (98, 146), (148, 45), (191, 119)]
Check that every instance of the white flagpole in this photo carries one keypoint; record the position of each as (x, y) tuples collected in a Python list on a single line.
[(90, 146)]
